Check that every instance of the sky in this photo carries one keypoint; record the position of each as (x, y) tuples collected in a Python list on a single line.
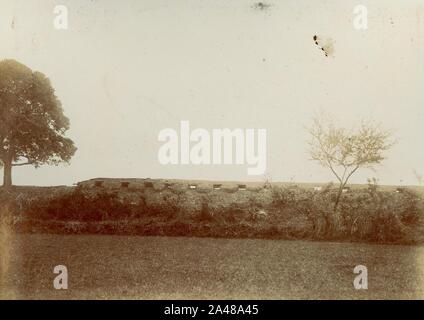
[(125, 70)]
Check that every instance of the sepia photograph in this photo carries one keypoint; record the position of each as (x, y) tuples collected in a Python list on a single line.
[(214, 150)]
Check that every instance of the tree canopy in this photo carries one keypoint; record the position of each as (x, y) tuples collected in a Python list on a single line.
[(344, 151), (32, 122)]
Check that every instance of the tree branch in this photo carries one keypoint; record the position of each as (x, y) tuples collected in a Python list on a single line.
[(334, 171), (22, 164), (350, 174)]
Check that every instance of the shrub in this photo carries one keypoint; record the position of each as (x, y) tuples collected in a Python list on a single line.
[(168, 205), (367, 214), (381, 216), (205, 213), (363, 214), (80, 206)]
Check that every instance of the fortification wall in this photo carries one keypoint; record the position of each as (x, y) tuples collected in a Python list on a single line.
[(187, 195)]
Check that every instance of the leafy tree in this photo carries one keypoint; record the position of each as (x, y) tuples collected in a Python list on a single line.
[(345, 151), (32, 123)]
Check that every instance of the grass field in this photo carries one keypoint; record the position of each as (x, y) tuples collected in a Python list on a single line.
[(106, 267)]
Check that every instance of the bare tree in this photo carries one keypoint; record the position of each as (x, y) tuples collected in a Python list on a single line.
[(345, 151)]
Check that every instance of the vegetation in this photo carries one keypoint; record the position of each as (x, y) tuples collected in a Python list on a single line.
[(367, 214), (122, 267), (343, 151), (32, 123)]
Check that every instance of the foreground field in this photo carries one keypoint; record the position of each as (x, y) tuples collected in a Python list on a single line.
[(107, 267)]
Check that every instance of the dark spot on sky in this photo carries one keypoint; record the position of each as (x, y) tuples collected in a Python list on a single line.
[(326, 45), (261, 5)]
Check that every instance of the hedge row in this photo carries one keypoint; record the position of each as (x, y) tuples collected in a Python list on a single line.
[(294, 213)]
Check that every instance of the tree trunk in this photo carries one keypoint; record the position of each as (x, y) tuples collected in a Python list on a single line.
[(339, 194), (330, 218), (7, 175)]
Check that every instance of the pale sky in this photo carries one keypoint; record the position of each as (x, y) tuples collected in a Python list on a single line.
[(124, 70)]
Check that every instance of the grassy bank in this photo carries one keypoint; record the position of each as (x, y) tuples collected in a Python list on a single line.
[(366, 214)]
